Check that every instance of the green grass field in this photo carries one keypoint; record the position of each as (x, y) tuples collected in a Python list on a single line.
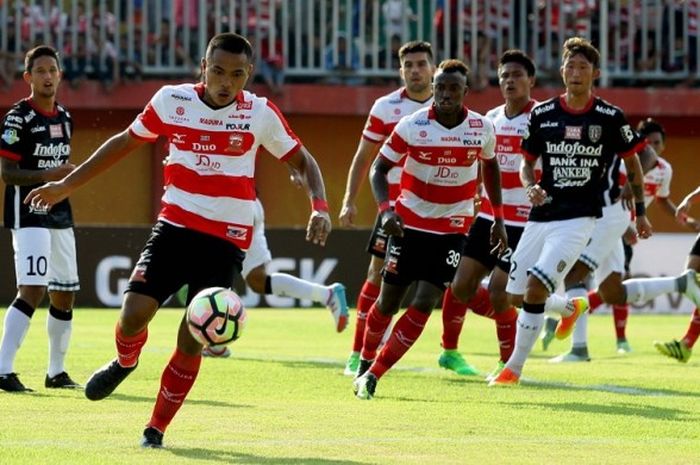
[(283, 399)]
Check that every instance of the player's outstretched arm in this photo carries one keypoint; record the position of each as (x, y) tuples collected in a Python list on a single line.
[(635, 177), (648, 158), (109, 153), (684, 207), (319, 225), (14, 175), (361, 161)]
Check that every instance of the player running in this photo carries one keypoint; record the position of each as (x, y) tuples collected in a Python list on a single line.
[(416, 72), (440, 149), (516, 77), (577, 136)]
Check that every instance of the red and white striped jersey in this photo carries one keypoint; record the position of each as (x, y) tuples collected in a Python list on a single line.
[(440, 168), (657, 182), (385, 113), (209, 173), (509, 133)]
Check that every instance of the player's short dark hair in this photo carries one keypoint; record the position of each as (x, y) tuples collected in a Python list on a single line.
[(40, 51), (453, 65), (649, 125), (230, 42), (416, 46), (519, 57), (579, 45)]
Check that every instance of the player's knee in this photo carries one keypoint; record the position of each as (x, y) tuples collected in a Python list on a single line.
[(256, 279), (374, 272), (33, 295), (464, 289), (62, 301), (577, 274), (535, 292), (499, 300)]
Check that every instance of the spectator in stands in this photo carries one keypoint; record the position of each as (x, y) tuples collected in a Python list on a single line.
[(130, 66), (8, 57), (272, 64), (344, 65)]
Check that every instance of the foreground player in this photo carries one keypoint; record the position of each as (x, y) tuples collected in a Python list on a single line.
[(210, 210), (516, 77), (440, 148), (35, 147), (416, 72), (577, 136), (282, 284)]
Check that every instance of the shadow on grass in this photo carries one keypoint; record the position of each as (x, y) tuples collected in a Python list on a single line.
[(237, 457), (189, 401), (611, 388), (630, 410)]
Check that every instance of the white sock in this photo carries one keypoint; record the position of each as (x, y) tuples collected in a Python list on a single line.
[(642, 290), (16, 326), (529, 326), (285, 285), (580, 335), (556, 304), (59, 331)]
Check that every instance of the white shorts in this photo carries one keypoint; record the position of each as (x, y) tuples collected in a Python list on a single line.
[(46, 257), (258, 253), (548, 250), (604, 253)]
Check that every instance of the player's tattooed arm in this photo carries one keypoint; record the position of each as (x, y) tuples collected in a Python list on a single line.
[(319, 225)]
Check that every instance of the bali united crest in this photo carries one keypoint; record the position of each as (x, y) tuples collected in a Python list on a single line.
[(594, 132)]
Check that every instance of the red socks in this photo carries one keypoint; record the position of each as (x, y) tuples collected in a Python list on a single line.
[(693, 329), (620, 313), (129, 347), (453, 312), (505, 331), (176, 381), (368, 295), (594, 301), (374, 332), (407, 329)]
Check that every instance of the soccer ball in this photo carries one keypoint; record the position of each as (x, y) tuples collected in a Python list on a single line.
[(216, 316)]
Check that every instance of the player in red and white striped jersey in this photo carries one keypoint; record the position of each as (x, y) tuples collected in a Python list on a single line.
[(416, 71), (441, 149), (516, 76), (214, 131)]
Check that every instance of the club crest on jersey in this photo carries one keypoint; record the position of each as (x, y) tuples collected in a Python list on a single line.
[(572, 132), (10, 136), (594, 132), (235, 142), (244, 106), (55, 131), (236, 232)]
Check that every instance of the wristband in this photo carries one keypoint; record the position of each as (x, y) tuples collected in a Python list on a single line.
[(639, 209), (319, 205), (498, 212), (383, 206)]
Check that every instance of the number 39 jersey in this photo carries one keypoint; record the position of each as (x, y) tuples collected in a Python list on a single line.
[(37, 141), (439, 177), (576, 148)]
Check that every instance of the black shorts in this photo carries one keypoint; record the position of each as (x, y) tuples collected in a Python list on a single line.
[(696, 247), (422, 256), (174, 256), (478, 244), (628, 255), (378, 240)]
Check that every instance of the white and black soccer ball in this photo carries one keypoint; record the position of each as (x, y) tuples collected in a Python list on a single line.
[(216, 316)]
